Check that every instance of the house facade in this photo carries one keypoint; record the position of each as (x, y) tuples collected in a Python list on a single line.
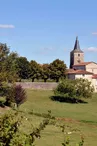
[(81, 69)]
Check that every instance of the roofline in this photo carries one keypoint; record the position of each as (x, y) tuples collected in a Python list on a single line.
[(81, 73), (84, 64)]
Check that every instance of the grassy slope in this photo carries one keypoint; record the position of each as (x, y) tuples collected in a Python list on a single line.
[(39, 101)]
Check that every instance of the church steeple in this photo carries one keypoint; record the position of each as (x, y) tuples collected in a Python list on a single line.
[(76, 55), (77, 46)]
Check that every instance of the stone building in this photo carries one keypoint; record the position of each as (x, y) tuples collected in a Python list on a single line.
[(81, 69)]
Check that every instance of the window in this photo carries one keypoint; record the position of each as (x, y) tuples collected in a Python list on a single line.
[(78, 61), (78, 54), (83, 75)]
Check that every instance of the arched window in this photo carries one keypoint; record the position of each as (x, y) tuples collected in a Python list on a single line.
[(78, 54), (78, 61)]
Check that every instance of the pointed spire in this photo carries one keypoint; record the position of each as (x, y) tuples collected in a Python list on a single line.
[(77, 46)]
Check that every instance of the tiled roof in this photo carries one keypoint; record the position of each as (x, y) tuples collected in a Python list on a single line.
[(73, 71), (94, 76), (82, 64)]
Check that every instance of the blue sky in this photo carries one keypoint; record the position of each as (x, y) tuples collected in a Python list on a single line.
[(44, 30)]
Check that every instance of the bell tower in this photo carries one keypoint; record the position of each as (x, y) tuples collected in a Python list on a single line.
[(76, 55)]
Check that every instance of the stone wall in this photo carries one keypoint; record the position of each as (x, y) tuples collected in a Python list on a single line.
[(38, 85)]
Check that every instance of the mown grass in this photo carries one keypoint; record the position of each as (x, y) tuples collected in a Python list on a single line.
[(82, 117)]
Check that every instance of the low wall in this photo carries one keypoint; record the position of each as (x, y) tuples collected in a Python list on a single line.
[(38, 85)]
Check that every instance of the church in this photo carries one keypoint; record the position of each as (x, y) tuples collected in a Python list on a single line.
[(79, 68)]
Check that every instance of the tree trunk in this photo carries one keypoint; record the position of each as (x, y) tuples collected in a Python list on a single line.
[(57, 80), (32, 79), (45, 80)]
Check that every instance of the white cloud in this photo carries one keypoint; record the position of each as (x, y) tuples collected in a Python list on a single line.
[(91, 49), (94, 33), (6, 26)]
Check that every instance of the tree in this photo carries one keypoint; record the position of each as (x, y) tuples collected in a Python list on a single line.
[(7, 64), (9, 71), (57, 70), (45, 72), (4, 51), (35, 70), (15, 94), (23, 67)]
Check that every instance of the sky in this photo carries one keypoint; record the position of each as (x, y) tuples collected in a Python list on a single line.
[(44, 30)]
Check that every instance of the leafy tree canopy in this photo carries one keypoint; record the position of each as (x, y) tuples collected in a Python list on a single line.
[(57, 69), (45, 72), (35, 70), (23, 67)]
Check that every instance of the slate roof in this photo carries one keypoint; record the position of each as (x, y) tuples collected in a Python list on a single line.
[(77, 47)]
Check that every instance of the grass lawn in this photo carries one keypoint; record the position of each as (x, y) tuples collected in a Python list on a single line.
[(82, 117)]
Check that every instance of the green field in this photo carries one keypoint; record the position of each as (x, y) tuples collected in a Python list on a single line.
[(79, 116), (82, 117)]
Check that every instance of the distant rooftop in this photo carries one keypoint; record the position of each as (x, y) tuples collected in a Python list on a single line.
[(74, 71), (82, 64), (94, 76)]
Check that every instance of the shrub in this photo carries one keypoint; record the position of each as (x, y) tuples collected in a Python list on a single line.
[(65, 89), (73, 90), (83, 88)]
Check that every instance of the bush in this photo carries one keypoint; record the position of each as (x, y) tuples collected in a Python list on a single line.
[(65, 89), (73, 90), (83, 88)]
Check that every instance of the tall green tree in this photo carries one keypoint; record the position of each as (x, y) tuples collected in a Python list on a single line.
[(35, 70), (57, 69), (45, 72), (23, 68), (9, 67), (7, 64), (4, 51)]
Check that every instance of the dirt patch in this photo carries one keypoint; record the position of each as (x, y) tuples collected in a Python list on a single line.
[(68, 120), (3, 109)]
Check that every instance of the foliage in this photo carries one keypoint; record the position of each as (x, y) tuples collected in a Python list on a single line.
[(4, 51), (23, 68), (57, 69), (45, 72), (7, 64), (15, 94), (74, 89), (35, 70), (65, 88), (9, 71), (67, 142), (83, 88), (10, 135), (8, 127)]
